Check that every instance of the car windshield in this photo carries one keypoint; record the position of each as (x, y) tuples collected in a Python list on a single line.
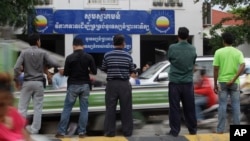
[(152, 70)]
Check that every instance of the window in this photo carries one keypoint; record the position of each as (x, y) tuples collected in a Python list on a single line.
[(168, 3), (206, 13), (103, 1)]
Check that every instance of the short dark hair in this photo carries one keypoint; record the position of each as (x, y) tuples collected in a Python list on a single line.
[(77, 42), (183, 33), (33, 38), (118, 39), (228, 38)]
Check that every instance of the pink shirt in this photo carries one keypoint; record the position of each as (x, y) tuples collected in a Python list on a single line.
[(15, 133)]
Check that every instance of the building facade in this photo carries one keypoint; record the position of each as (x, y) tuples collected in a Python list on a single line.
[(150, 26)]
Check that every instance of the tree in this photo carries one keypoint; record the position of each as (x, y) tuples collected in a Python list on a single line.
[(241, 10), (14, 13)]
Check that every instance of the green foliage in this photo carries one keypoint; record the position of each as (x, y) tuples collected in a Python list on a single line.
[(14, 13), (225, 3)]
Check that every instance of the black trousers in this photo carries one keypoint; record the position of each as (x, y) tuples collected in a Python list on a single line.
[(183, 93), (118, 90)]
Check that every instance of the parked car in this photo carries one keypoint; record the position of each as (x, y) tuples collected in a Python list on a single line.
[(157, 74)]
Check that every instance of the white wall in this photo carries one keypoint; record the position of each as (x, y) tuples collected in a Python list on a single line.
[(68, 4), (245, 48), (68, 44), (191, 17), (136, 50)]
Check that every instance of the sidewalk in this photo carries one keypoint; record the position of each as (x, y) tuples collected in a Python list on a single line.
[(198, 137)]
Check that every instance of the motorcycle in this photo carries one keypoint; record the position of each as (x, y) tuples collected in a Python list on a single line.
[(210, 117)]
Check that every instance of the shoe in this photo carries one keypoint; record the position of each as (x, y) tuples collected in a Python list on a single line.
[(217, 132), (81, 135), (192, 133), (29, 129), (171, 134), (58, 135)]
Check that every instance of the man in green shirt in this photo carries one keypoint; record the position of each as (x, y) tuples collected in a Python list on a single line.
[(228, 65), (181, 56)]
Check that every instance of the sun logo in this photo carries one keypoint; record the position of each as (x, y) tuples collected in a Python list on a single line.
[(41, 23), (162, 24)]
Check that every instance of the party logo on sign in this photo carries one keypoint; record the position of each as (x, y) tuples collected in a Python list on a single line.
[(162, 21)]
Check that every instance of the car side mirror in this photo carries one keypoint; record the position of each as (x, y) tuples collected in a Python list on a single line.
[(163, 76)]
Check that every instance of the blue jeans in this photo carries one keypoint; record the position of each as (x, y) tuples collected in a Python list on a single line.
[(200, 101), (234, 93), (73, 92)]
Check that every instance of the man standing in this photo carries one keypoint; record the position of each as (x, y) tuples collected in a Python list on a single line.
[(119, 65), (228, 65), (182, 56), (78, 66), (33, 61)]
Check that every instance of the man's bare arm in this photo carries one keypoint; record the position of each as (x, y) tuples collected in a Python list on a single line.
[(216, 72), (240, 70)]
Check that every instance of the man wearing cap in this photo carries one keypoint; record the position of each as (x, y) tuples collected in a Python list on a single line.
[(59, 81), (78, 66)]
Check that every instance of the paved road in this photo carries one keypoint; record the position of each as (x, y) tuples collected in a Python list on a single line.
[(158, 125)]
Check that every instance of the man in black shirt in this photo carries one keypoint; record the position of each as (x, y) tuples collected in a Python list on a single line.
[(78, 66)]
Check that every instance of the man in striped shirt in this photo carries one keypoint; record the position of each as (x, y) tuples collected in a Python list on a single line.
[(118, 64)]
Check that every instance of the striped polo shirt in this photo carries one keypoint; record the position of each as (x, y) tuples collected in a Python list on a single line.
[(118, 64)]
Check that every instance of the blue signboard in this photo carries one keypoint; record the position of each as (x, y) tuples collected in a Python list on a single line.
[(101, 43), (97, 21), (44, 20), (107, 22), (162, 22)]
